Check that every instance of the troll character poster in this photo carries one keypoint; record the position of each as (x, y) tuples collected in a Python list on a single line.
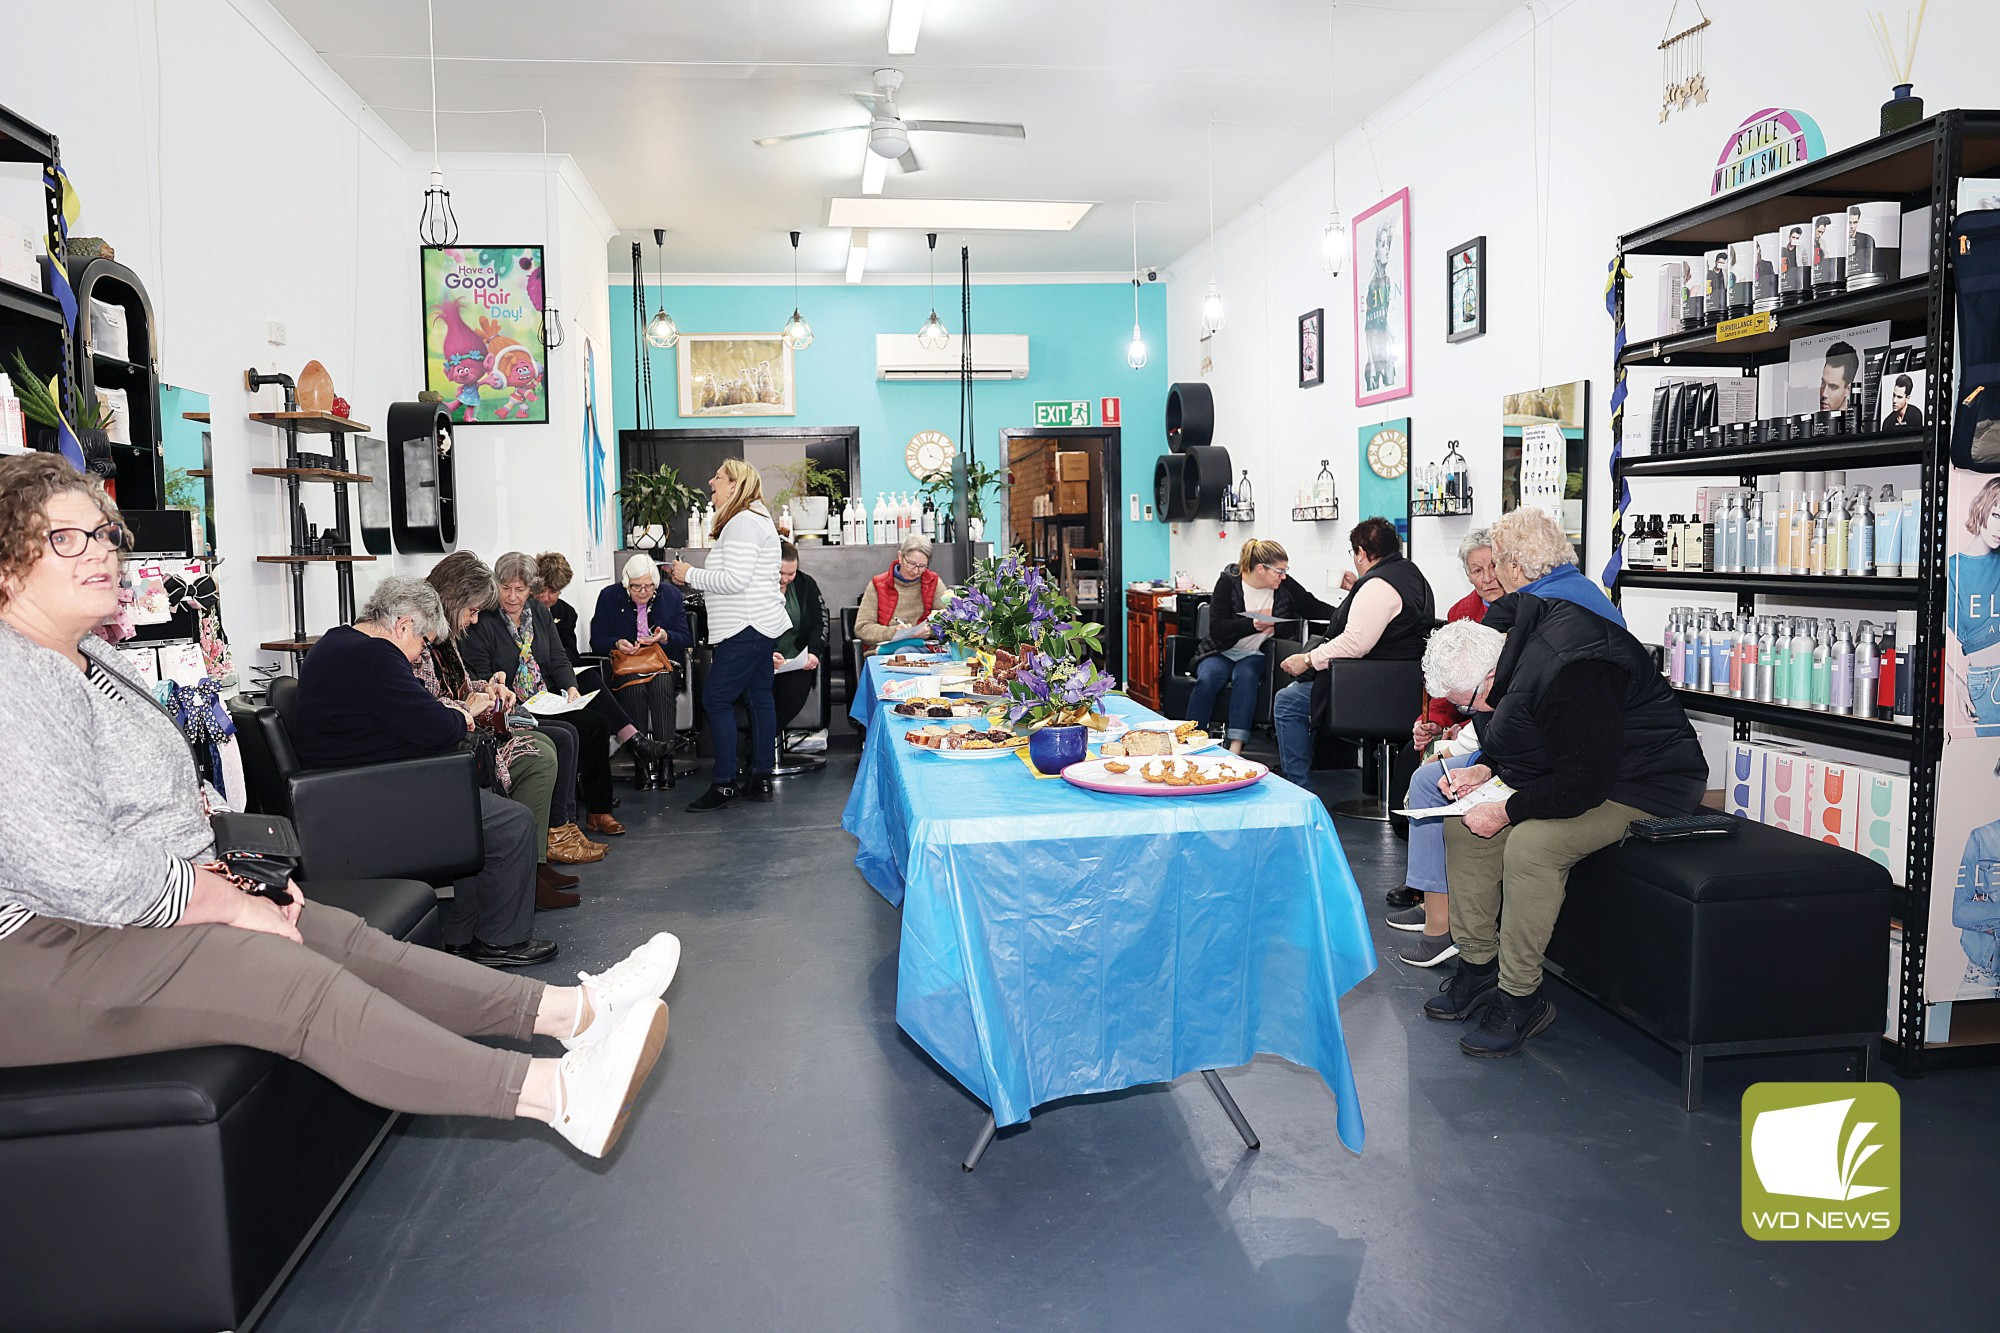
[(484, 347)]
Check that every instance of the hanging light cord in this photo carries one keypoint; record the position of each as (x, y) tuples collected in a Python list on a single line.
[(1135, 264), (1333, 99), (430, 26), (1211, 198)]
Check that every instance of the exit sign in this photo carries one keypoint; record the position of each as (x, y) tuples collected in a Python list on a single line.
[(1075, 413)]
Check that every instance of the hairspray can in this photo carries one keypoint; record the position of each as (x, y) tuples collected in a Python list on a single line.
[(1864, 672), (1802, 661), (1767, 660), (1822, 668), (1842, 697), (1704, 645)]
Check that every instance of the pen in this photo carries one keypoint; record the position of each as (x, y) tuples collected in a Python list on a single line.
[(1449, 789)]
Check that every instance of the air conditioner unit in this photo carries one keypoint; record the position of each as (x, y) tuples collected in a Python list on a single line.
[(995, 356)]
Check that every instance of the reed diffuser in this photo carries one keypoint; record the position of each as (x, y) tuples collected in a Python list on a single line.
[(1905, 108)]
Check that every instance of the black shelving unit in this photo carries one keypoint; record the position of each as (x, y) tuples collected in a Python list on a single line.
[(293, 423), (140, 479), (1919, 166), (31, 320)]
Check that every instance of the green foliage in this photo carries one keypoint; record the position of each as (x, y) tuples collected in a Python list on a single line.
[(38, 400), (979, 479), (183, 491), (808, 477), (1010, 603), (656, 498)]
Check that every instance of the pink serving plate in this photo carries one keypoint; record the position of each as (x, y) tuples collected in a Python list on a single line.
[(1091, 775)]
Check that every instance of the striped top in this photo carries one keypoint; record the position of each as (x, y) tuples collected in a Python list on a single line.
[(741, 578), (101, 818)]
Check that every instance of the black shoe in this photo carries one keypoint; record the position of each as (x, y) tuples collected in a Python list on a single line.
[(762, 787), (525, 954), (1510, 1020), (1470, 988), (1403, 897), (718, 795)]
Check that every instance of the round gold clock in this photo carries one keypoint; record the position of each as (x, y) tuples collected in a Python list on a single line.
[(1389, 454), (928, 454)]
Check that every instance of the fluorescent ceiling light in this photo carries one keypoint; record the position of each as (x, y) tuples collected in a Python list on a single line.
[(857, 254), (874, 170), (905, 17), (957, 214)]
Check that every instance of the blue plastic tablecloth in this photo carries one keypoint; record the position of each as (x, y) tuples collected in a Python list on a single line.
[(1058, 941)]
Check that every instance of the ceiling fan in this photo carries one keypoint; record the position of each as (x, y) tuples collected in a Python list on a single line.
[(889, 133)]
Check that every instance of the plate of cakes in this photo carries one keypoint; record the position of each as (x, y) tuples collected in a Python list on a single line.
[(936, 707), (1157, 740), (964, 740), (924, 663), (1165, 775)]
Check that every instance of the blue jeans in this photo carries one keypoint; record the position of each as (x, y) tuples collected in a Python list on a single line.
[(1426, 872), (1291, 712), (1244, 678), (740, 668)]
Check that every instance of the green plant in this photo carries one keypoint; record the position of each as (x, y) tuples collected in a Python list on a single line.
[(809, 476), (979, 479), (657, 498), (184, 491), (38, 400), (1009, 603)]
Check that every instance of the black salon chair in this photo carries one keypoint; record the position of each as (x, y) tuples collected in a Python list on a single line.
[(1177, 678), (1375, 703), (852, 652)]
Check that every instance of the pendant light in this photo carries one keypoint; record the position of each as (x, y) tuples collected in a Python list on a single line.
[(797, 334), (438, 225), (1135, 352), (1211, 303), (661, 331), (1333, 240), (932, 336)]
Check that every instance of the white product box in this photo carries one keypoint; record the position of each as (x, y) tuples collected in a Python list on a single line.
[(1743, 784), (20, 252), (1788, 792), (1882, 815), (1833, 809)]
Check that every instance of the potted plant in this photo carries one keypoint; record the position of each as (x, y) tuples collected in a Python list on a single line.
[(811, 488), (651, 501), (1010, 604), (1055, 698), (90, 423), (979, 479)]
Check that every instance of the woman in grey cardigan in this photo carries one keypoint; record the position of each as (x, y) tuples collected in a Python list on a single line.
[(119, 934)]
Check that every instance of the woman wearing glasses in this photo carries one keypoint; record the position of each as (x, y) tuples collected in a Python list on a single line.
[(898, 602), (119, 933), (1250, 598)]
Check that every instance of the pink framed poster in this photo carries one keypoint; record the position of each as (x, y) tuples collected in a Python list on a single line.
[(1382, 301)]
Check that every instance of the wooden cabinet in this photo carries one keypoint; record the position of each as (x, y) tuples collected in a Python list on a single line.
[(1142, 643)]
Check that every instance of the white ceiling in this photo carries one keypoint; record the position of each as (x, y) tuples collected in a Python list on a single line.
[(658, 102)]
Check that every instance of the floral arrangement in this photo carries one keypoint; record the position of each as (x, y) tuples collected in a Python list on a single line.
[(1008, 603), (1051, 691)]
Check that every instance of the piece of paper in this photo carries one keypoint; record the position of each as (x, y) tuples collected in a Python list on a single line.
[(1492, 791), (793, 663), (547, 704)]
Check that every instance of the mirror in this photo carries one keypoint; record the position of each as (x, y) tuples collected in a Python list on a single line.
[(423, 483), (187, 460)]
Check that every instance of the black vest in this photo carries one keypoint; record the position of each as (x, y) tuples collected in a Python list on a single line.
[(1661, 769), (1403, 638)]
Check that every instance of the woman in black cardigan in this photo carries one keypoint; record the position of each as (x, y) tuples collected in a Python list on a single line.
[(1250, 597)]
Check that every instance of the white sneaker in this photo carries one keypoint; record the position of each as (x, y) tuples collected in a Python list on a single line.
[(644, 975), (600, 1082)]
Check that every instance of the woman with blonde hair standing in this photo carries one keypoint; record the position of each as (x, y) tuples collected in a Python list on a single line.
[(746, 614)]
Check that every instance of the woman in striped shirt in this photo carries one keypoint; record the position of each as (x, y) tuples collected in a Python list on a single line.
[(746, 614)]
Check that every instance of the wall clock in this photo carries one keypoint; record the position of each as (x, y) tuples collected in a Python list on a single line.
[(1389, 453), (929, 454)]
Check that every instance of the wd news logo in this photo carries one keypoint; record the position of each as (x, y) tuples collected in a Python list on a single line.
[(1822, 1161)]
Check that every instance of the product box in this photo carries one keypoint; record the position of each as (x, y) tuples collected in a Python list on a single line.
[(20, 254), (1788, 791), (1834, 807), (1743, 784), (1072, 497), (1882, 828), (1072, 465)]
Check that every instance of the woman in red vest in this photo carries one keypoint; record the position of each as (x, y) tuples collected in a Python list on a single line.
[(898, 602)]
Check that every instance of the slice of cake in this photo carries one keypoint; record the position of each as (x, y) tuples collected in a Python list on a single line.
[(1140, 743)]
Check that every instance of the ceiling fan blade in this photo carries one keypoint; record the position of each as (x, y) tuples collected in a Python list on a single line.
[(809, 134), (908, 162), (866, 101), (991, 127)]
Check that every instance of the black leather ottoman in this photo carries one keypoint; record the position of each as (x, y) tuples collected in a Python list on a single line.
[(176, 1190), (1759, 942)]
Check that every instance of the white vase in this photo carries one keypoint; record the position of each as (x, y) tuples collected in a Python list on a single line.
[(652, 537), (811, 513), (975, 528)]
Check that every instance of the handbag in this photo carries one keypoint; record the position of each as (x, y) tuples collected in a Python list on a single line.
[(263, 849), (641, 664)]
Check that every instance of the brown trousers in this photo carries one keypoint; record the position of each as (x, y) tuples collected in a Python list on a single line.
[(388, 1021)]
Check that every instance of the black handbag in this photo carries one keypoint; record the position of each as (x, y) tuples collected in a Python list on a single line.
[(261, 848), (484, 747)]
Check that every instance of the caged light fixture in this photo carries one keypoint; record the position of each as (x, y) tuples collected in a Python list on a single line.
[(1135, 351), (1211, 303), (1333, 239), (797, 334), (438, 225), (661, 331), (932, 336)]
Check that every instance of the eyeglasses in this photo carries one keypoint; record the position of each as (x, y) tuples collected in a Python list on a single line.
[(70, 543)]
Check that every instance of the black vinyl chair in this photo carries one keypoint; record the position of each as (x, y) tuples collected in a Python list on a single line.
[(852, 652), (1177, 678), (1376, 703)]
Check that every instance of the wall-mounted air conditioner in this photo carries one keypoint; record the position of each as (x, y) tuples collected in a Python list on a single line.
[(995, 356)]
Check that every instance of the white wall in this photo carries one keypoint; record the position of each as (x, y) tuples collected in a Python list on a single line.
[(245, 183)]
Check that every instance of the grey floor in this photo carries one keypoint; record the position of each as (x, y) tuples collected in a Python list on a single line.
[(794, 1163)]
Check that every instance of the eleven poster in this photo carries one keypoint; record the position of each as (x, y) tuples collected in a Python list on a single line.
[(484, 349)]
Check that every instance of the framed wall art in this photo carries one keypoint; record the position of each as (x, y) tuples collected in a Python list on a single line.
[(483, 338), (1312, 348), (735, 375), (1465, 290), (1382, 301)]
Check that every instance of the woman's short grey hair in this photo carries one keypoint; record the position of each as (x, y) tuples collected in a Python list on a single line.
[(1471, 542), (916, 541), (1459, 655), (518, 567), (1532, 542), (398, 596), (640, 566)]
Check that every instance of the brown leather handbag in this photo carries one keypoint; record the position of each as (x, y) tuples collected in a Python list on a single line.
[(641, 664)]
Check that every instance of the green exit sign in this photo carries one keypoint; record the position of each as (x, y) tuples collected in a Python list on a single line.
[(1063, 414)]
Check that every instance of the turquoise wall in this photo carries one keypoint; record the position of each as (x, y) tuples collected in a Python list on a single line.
[(1077, 334)]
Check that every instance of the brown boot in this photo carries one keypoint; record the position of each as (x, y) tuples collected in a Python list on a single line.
[(551, 890), (604, 824), (568, 847)]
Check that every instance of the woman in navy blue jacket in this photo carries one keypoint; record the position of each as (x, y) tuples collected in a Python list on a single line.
[(639, 597)]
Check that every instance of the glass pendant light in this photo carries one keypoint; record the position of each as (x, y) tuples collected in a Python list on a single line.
[(933, 336), (661, 331), (438, 225), (797, 334), (1135, 352), (1333, 239), (1211, 303)]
